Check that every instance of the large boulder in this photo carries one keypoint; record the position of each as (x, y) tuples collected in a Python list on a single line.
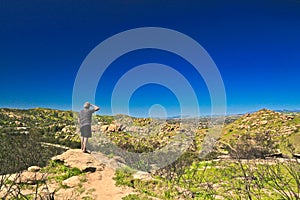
[(34, 169), (83, 161), (72, 181)]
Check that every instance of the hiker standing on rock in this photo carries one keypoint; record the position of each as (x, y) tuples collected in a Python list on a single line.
[(85, 123)]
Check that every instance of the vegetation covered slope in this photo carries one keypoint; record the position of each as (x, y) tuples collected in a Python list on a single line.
[(24, 135), (53, 126), (266, 127)]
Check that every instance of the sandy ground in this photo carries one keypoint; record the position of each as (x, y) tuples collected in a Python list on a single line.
[(97, 185), (105, 187)]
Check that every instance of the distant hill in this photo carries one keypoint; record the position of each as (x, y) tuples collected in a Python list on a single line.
[(283, 128), (265, 120), (288, 111)]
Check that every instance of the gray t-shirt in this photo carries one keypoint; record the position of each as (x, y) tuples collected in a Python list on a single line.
[(85, 117)]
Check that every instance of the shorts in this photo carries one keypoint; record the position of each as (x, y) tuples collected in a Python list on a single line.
[(86, 131)]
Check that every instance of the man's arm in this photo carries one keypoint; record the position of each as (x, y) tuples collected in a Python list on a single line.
[(96, 108)]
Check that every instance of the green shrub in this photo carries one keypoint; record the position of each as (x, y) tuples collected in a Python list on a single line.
[(132, 197), (123, 177), (60, 172)]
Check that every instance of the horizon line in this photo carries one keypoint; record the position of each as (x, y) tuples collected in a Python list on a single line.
[(167, 117)]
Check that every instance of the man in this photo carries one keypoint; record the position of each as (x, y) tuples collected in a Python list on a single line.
[(85, 123)]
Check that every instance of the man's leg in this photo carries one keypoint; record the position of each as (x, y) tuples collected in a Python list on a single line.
[(82, 143), (85, 140)]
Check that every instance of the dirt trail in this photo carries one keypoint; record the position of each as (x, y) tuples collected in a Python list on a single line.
[(105, 188), (98, 183)]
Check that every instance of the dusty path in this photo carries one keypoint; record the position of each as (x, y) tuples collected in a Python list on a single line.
[(105, 188), (98, 183)]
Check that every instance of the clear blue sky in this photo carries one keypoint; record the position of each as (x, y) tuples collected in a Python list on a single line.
[(255, 45)]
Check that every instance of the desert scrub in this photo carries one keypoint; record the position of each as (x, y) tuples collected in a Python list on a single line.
[(252, 145), (132, 197), (141, 121), (123, 176), (87, 198), (105, 120), (230, 179), (20, 151), (59, 172), (244, 179), (140, 144)]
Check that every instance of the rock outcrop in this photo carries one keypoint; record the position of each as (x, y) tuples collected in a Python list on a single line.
[(83, 161), (275, 128), (279, 124)]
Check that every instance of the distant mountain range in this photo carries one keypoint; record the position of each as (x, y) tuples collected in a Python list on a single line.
[(287, 111)]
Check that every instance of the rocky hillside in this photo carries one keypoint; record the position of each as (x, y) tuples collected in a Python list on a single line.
[(25, 136), (282, 128), (279, 124), (146, 135), (52, 126)]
